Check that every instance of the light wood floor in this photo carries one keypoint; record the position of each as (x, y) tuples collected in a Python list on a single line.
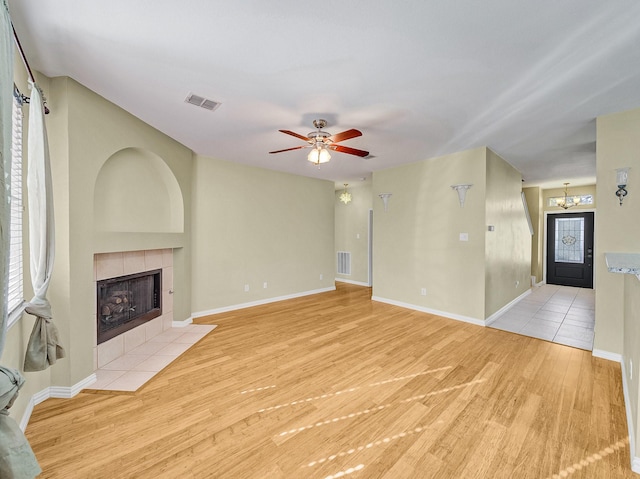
[(334, 385)]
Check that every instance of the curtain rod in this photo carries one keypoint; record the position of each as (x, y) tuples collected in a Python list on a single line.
[(26, 64)]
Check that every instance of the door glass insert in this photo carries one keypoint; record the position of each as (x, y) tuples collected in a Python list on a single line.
[(569, 240)]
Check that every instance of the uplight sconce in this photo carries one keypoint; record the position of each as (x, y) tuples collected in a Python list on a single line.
[(622, 178), (462, 192), (385, 199)]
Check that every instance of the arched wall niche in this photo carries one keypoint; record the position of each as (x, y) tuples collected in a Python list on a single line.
[(136, 192)]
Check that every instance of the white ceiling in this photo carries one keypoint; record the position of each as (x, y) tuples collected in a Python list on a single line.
[(419, 78)]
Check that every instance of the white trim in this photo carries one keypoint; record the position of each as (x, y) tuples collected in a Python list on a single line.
[(600, 353), (183, 323), (260, 302), (370, 247), (54, 392), (502, 310), (27, 414), (635, 461), (350, 281), (534, 284), (16, 315), (458, 317)]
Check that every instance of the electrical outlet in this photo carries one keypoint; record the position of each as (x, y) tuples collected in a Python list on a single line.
[(321, 276), (423, 291), (464, 236), (246, 288), (517, 283), (264, 285)]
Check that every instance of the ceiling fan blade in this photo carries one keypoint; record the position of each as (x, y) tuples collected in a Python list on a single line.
[(289, 149), (349, 151), (293, 133), (345, 135)]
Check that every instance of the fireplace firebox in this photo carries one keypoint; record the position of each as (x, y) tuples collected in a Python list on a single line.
[(128, 301)]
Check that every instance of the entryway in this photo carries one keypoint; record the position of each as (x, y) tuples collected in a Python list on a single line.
[(570, 249), (560, 314)]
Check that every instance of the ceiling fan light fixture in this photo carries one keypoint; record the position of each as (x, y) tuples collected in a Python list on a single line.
[(319, 155), (321, 142)]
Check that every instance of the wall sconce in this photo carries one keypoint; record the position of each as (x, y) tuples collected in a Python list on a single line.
[(622, 178), (385, 199), (462, 192)]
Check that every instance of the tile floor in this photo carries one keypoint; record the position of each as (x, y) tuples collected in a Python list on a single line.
[(131, 371), (560, 314)]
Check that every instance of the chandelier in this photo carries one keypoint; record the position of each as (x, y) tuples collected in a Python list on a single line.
[(345, 196), (567, 202)]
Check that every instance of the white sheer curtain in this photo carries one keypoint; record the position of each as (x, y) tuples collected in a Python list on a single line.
[(43, 349), (6, 99)]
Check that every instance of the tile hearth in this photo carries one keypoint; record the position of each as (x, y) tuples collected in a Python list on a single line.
[(132, 370)]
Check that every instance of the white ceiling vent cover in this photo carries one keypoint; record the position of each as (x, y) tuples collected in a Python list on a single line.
[(202, 102)]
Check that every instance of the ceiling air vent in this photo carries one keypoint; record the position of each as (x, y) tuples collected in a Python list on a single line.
[(202, 102)]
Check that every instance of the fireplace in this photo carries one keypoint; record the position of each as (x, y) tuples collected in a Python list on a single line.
[(128, 301)]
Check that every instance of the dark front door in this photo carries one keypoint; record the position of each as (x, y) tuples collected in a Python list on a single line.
[(570, 249)]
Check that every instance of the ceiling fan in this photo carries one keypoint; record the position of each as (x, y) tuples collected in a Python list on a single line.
[(322, 142)]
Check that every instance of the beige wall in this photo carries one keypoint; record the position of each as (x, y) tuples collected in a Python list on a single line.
[(631, 356), (617, 227), (252, 226), (98, 129), (508, 247), (618, 230), (534, 203), (416, 242), (85, 130), (352, 230), (134, 176)]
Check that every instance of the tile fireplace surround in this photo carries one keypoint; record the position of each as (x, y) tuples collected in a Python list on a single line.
[(126, 362)]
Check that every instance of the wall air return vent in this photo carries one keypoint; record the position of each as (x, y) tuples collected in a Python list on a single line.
[(344, 262), (202, 102)]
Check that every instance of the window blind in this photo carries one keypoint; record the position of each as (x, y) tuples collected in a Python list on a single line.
[(15, 287)]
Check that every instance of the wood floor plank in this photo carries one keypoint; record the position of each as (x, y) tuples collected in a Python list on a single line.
[(335, 385)]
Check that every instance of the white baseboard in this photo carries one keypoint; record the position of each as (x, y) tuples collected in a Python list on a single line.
[(54, 392), (501, 311), (27, 414), (600, 353), (458, 317), (183, 323), (260, 302), (350, 281), (635, 461)]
